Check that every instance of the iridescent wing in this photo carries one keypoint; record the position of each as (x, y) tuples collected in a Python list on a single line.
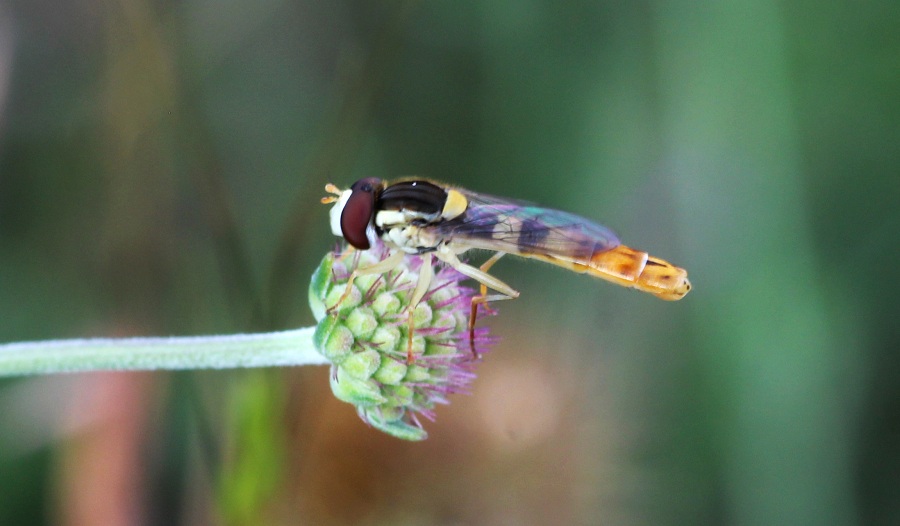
[(494, 223)]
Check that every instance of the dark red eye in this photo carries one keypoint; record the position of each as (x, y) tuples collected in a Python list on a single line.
[(358, 211)]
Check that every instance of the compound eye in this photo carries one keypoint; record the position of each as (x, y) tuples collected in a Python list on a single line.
[(358, 212)]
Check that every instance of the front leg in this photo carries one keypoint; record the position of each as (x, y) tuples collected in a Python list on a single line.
[(426, 274), (382, 267)]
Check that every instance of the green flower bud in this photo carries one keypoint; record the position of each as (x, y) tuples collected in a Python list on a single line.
[(423, 315), (351, 300), (354, 390), (396, 426), (362, 364), (386, 303), (363, 330), (370, 282), (386, 338), (391, 372), (362, 322), (318, 287), (333, 340), (417, 374)]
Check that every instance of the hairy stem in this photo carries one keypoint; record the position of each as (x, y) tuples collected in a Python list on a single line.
[(293, 347)]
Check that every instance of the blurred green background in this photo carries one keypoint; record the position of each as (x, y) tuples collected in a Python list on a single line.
[(160, 169)]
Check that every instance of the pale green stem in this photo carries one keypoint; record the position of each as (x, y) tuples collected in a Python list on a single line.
[(293, 347)]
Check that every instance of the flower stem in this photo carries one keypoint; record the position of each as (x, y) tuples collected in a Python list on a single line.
[(293, 347)]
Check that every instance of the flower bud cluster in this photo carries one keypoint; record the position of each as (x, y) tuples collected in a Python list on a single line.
[(364, 333)]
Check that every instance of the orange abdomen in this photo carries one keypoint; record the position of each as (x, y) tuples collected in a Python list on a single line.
[(632, 268)]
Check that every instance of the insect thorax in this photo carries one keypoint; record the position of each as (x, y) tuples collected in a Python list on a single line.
[(403, 229)]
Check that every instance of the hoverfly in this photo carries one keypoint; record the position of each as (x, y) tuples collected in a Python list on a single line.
[(417, 216)]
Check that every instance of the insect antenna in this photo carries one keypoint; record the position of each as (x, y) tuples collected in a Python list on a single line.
[(331, 189)]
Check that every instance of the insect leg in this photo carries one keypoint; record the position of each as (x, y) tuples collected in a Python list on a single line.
[(483, 288), (449, 257), (426, 273), (386, 265), (482, 298), (487, 281)]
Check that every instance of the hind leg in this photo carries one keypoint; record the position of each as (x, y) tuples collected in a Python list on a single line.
[(487, 281)]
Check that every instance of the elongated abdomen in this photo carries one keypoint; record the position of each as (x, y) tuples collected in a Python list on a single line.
[(632, 268)]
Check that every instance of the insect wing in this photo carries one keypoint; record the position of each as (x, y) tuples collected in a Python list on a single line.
[(504, 225)]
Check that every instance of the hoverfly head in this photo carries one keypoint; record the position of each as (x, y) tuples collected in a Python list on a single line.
[(352, 214)]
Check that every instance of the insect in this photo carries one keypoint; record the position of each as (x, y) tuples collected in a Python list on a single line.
[(417, 216)]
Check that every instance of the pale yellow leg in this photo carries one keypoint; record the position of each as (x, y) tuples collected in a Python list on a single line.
[(486, 281), (426, 274), (481, 276), (382, 267)]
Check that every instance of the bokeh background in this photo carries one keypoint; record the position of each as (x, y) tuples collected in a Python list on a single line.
[(161, 164)]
